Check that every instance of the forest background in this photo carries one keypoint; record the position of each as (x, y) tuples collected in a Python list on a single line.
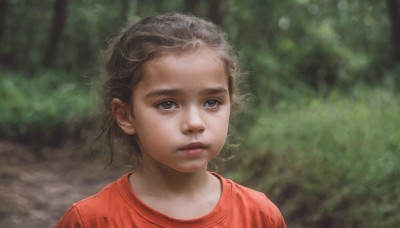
[(320, 134)]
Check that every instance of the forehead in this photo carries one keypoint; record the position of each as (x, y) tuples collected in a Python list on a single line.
[(189, 69), (205, 52), (188, 59)]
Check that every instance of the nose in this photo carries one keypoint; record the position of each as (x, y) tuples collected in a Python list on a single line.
[(192, 121)]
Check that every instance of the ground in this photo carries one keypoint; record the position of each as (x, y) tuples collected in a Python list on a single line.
[(38, 184)]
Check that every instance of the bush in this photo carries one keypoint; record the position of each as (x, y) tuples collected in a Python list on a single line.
[(42, 107), (334, 162)]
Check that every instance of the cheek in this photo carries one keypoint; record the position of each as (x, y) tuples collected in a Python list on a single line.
[(151, 128), (221, 124)]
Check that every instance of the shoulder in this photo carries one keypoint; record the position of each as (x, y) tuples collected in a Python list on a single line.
[(254, 205), (71, 218), (85, 212), (247, 195), (254, 199), (100, 200)]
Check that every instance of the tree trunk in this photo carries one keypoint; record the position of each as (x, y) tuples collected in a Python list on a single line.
[(57, 27), (3, 14), (192, 6), (215, 11), (394, 17), (124, 10)]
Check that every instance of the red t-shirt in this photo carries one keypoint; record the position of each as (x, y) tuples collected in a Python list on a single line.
[(117, 206)]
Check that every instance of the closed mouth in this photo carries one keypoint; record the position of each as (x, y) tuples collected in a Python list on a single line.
[(194, 146)]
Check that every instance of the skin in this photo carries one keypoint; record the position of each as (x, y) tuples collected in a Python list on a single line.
[(180, 114)]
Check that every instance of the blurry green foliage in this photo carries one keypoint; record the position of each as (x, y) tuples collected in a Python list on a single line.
[(329, 162), (44, 108)]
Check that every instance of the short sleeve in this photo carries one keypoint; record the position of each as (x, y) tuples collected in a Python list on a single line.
[(71, 219)]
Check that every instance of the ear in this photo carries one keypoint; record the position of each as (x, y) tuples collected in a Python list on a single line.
[(123, 116)]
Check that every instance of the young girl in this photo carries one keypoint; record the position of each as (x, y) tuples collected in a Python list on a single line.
[(171, 86)]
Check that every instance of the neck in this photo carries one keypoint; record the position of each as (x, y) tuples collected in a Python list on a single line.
[(167, 191), (159, 182)]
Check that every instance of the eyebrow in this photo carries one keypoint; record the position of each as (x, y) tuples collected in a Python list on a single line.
[(214, 91), (176, 92), (163, 92)]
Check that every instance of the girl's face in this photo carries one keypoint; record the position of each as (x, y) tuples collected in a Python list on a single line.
[(180, 110)]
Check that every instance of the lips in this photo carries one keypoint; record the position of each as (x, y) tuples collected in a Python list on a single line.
[(194, 145), (194, 148)]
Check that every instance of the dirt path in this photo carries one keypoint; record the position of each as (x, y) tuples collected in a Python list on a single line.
[(35, 190)]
